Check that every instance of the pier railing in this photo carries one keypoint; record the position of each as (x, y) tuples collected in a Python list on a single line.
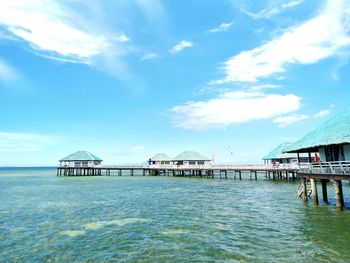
[(341, 167), (232, 167), (250, 167)]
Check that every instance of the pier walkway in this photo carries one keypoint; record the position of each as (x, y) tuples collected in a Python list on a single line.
[(283, 171)]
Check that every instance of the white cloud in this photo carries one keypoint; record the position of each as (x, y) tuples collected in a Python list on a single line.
[(292, 3), (7, 73), (221, 27), (273, 10), (322, 113), (54, 30), (148, 56), (24, 142), (310, 42), (180, 46), (122, 38), (288, 120), (233, 107)]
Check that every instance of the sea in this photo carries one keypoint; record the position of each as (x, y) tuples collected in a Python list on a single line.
[(45, 218)]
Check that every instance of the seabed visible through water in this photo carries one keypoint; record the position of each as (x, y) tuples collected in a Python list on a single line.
[(164, 219)]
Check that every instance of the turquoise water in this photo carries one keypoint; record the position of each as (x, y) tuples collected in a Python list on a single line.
[(164, 219)]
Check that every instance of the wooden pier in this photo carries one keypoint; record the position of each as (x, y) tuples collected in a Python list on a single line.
[(324, 172), (287, 172)]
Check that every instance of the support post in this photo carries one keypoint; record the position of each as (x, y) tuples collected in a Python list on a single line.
[(314, 191), (303, 183), (324, 190), (339, 194)]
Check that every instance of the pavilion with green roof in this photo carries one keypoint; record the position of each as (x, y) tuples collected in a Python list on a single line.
[(81, 159), (278, 155), (191, 158), (331, 139), (160, 158)]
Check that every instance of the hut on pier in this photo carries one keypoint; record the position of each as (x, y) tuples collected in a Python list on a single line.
[(191, 158), (81, 159), (278, 155), (160, 159), (331, 140)]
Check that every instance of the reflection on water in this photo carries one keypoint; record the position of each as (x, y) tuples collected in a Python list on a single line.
[(155, 219)]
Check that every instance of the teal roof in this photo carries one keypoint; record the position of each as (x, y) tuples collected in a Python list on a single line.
[(190, 156), (334, 131), (277, 153), (81, 156), (161, 157)]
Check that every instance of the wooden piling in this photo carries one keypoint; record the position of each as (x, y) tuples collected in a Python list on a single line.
[(339, 194), (304, 188), (324, 190), (314, 191)]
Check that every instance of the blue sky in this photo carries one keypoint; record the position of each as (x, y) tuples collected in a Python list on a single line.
[(128, 79)]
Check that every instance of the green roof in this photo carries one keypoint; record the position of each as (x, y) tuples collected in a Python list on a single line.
[(277, 153), (81, 156), (334, 131), (190, 156), (161, 157)]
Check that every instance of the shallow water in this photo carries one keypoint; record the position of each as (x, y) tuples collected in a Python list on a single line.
[(164, 219)]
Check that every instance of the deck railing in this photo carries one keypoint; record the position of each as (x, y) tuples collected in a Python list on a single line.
[(341, 167)]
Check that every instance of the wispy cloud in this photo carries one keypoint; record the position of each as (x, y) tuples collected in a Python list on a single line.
[(148, 56), (7, 72), (322, 113), (54, 30), (291, 4), (181, 46), (290, 119), (24, 142), (233, 107), (308, 43), (266, 86), (152, 9), (273, 10), (222, 27)]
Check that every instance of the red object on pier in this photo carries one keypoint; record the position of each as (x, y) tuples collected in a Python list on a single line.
[(317, 159)]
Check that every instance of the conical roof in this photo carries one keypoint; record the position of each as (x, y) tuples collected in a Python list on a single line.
[(190, 156), (160, 157), (334, 131), (81, 156), (277, 153)]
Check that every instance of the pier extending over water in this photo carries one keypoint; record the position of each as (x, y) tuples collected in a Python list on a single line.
[(287, 171)]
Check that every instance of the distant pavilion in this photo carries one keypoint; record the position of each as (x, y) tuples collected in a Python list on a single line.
[(81, 159), (191, 158), (159, 159), (278, 155)]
